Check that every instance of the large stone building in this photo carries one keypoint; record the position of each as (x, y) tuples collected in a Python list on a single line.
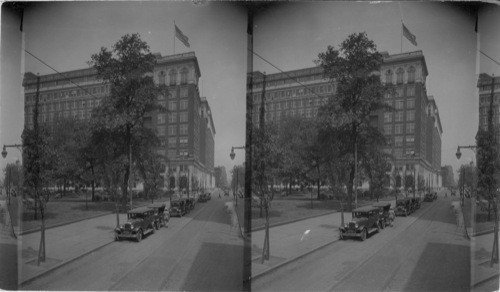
[(485, 92), (186, 131), (413, 128)]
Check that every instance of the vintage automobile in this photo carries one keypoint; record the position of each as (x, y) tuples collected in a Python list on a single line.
[(404, 207), (365, 221), (190, 203), (428, 198), (202, 198), (416, 203), (140, 221), (160, 216), (178, 208), (384, 218)]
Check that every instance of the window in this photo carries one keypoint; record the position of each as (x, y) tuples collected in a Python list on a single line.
[(398, 141), (184, 92), (172, 75), (184, 76), (172, 118), (183, 130), (410, 115), (160, 119), (387, 129), (172, 105), (410, 103), (399, 104), (388, 76), (172, 142), (410, 91), (399, 92), (411, 75), (387, 117), (172, 94), (183, 104), (410, 140), (161, 78), (399, 76), (398, 152), (172, 152), (398, 117), (183, 117), (172, 130), (398, 129), (410, 128), (183, 140)]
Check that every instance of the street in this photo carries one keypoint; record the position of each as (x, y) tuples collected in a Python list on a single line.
[(200, 251), (422, 252)]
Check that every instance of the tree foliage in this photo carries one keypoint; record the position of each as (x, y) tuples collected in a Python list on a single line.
[(353, 68)]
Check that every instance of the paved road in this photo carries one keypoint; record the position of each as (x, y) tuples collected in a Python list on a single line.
[(199, 251), (422, 252)]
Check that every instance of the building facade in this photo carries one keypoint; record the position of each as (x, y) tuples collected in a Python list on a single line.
[(186, 130), (413, 128), (484, 85)]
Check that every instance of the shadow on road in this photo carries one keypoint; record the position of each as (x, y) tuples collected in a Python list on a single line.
[(225, 273), (427, 276)]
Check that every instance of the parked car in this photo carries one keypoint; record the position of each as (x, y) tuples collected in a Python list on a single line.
[(140, 221), (190, 203), (428, 198), (404, 207), (365, 221), (384, 218), (178, 208), (202, 198), (415, 203), (209, 196), (160, 216)]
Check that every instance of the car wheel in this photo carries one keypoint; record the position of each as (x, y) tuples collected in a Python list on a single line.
[(363, 235), (117, 238), (139, 236)]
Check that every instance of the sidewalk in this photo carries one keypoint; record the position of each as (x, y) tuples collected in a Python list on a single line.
[(64, 244), (289, 242)]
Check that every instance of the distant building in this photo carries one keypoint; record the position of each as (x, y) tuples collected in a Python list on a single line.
[(413, 129), (220, 177), (448, 176), (186, 131)]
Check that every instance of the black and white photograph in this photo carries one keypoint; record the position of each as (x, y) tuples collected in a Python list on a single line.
[(250, 146)]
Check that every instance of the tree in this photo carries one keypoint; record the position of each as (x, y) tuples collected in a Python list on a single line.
[(127, 69), (353, 69), (150, 163), (377, 165)]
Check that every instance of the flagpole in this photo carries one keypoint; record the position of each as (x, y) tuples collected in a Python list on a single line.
[(174, 37)]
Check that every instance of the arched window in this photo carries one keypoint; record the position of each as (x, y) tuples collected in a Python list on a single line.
[(388, 77), (172, 75), (411, 75), (184, 76), (161, 78), (399, 76)]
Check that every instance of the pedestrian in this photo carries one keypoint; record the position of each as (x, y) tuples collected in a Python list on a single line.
[(391, 217)]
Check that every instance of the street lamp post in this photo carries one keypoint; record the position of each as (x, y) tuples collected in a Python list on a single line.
[(232, 155)]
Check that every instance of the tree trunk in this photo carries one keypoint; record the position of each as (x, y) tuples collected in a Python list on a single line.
[(494, 251), (266, 247), (93, 183), (350, 188), (41, 248)]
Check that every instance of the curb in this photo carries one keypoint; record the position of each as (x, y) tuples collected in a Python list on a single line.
[(271, 269), (43, 273), (496, 275), (292, 221)]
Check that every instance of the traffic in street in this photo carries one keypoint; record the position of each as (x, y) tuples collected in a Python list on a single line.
[(198, 251)]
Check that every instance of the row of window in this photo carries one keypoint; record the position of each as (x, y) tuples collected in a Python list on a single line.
[(50, 117), (399, 116), (172, 77), (399, 92), (290, 93), (56, 95), (172, 94), (171, 142), (299, 103), (172, 117), (409, 140), (66, 105), (485, 99), (172, 130), (172, 105), (398, 129), (399, 104), (389, 75), (281, 82), (276, 116)]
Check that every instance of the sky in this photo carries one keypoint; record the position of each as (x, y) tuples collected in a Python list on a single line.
[(65, 34), (292, 35)]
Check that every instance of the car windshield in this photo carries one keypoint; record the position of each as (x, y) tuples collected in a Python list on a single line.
[(135, 215), (361, 215)]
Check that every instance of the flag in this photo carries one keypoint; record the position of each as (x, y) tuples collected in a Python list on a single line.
[(409, 36), (184, 39)]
